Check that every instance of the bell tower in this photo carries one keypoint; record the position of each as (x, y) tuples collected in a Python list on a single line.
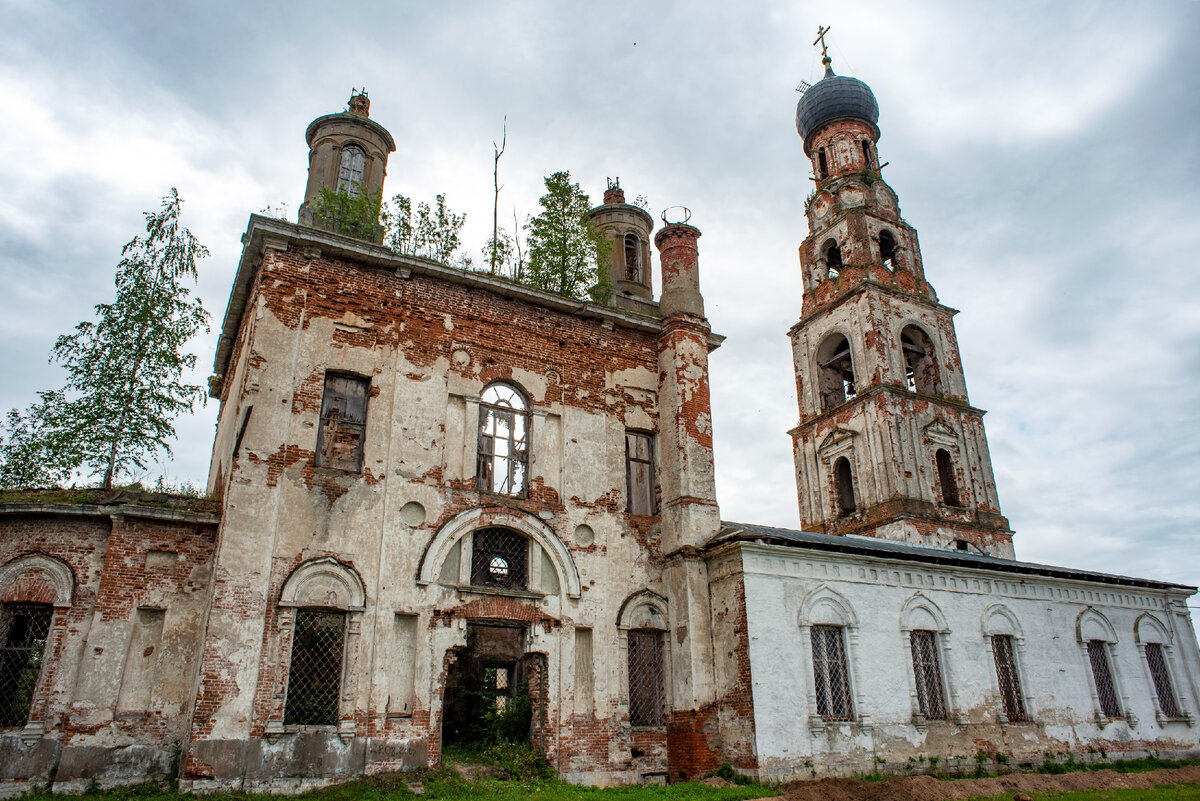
[(628, 230), (888, 444)]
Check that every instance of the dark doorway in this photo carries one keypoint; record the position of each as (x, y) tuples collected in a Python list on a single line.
[(487, 697)]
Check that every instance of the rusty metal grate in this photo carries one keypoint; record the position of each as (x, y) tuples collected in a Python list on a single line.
[(1162, 681), (1006, 675), (23, 632), (499, 558), (829, 674), (646, 678), (1098, 656), (315, 675), (928, 671)]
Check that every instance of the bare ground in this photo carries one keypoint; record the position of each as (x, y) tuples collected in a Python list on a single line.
[(927, 788)]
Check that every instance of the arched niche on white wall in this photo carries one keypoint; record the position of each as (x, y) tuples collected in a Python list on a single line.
[(998, 619), (39, 567), (325, 583), (643, 610), (1091, 625)]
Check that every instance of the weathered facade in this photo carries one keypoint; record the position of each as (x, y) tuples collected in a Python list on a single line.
[(443, 497)]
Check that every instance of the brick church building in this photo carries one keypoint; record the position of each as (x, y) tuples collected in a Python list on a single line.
[(445, 500)]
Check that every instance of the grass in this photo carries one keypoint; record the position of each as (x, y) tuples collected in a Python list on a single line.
[(1166, 792), (1119, 765)]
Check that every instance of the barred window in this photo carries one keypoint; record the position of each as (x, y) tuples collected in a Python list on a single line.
[(343, 422), (350, 172), (829, 673), (1097, 651), (23, 632), (503, 441), (315, 674), (1162, 681), (499, 558), (928, 670), (1006, 676), (639, 473), (646, 678)]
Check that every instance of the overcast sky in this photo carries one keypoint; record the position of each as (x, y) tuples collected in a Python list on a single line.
[(1047, 154)]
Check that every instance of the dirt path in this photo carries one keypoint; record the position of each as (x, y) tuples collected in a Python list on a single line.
[(927, 788)]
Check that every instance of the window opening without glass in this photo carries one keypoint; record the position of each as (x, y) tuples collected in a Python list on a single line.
[(830, 677), (945, 470), (1106, 691), (1162, 681), (887, 248), (844, 479), (639, 473), (343, 423), (499, 558), (1007, 678), (835, 377), (315, 673), (23, 632), (350, 172), (633, 258), (920, 368), (503, 441), (646, 678), (928, 671)]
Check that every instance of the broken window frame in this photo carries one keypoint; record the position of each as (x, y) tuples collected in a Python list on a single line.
[(866, 149), (822, 164), (843, 485), (24, 633), (499, 559), (632, 247), (341, 390), (1160, 677), (352, 166), (639, 461), (888, 249), (645, 672), (927, 671), (836, 379), (306, 664), (832, 253), (831, 674), (945, 470), (1008, 678), (1103, 679), (503, 441)]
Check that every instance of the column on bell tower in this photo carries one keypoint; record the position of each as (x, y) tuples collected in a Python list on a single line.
[(888, 444)]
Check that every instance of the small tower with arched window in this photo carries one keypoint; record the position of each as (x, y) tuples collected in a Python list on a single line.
[(347, 154), (887, 445), (628, 227)]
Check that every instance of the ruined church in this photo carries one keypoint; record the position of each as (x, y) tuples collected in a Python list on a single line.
[(450, 506)]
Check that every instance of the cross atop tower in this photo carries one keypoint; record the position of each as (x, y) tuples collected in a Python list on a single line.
[(825, 59)]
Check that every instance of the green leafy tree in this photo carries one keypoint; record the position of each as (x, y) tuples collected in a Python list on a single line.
[(26, 460), (354, 216), (431, 233), (499, 255), (125, 369), (565, 249)]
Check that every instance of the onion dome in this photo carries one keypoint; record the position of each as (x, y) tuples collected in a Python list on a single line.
[(835, 97)]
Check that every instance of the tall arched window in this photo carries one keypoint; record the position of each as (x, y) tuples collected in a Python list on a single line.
[(823, 171), (833, 257), (633, 258), (844, 479), (887, 248), (866, 148), (24, 629), (503, 441), (920, 366), (835, 367), (945, 469), (350, 173)]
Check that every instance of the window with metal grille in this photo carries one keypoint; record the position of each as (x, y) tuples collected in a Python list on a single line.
[(1097, 651), (503, 441), (499, 558), (639, 473), (350, 172), (646, 678), (315, 675), (633, 258), (23, 632), (343, 422), (1162, 681), (1007, 678), (928, 670), (830, 677)]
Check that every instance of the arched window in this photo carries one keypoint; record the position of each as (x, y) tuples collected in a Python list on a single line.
[(833, 257), (866, 147), (503, 440), (350, 173), (945, 469), (633, 258), (24, 629), (823, 164), (887, 248), (643, 622), (920, 367), (836, 371), (499, 558), (844, 479)]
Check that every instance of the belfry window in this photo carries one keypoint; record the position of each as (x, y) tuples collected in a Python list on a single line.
[(499, 558), (823, 165), (24, 628), (887, 248), (866, 148), (843, 479), (835, 371), (503, 441), (633, 259), (350, 173), (833, 257), (945, 468), (920, 367)]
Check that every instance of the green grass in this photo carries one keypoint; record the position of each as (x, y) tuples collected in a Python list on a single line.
[(1166, 792), (1119, 765)]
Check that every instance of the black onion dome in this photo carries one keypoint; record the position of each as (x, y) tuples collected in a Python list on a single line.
[(835, 97)]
